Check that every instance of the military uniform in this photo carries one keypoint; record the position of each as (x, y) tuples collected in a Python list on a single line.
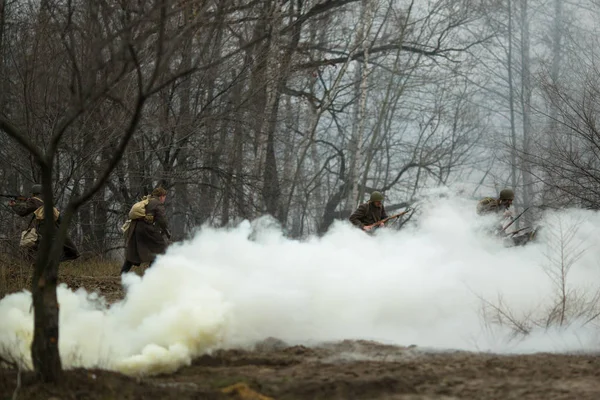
[(499, 207), (489, 205), (27, 207), (144, 239), (367, 213)]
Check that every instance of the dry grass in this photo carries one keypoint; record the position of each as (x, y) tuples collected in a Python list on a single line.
[(91, 268), (14, 275), (93, 274), (567, 305)]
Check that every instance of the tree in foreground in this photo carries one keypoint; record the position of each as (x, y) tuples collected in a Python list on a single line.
[(81, 62)]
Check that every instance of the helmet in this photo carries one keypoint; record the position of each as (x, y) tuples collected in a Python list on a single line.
[(507, 194), (36, 189), (376, 196)]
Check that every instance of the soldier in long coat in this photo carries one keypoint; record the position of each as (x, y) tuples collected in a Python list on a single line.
[(27, 207), (144, 240), (369, 214)]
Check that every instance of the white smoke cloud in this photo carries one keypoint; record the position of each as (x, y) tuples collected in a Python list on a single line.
[(421, 285)]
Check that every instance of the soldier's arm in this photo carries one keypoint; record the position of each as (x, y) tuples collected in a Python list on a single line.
[(160, 219), (24, 208), (485, 206), (357, 216)]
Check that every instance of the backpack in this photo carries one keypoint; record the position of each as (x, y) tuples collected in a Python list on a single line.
[(30, 237), (486, 204), (39, 213), (137, 211)]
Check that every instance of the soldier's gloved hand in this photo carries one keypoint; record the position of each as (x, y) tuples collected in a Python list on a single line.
[(367, 227)]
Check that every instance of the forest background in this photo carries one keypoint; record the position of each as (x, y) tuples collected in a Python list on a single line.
[(296, 109)]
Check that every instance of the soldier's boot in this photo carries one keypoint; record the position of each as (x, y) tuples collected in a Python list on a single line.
[(127, 267)]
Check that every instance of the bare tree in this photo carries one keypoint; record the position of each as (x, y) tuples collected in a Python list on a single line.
[(569, 158), (113, 54), (266, 125)]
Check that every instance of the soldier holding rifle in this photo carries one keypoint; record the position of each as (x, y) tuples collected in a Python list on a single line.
[(34, 206)]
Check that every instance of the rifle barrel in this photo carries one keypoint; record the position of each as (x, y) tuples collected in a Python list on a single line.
[(395, 216), (12, 196), (514, 219), (519, 230)]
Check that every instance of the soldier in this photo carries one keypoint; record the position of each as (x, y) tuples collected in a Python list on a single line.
[(500, 207), (490, 205), (369, 214), (32, 205), (144, 238)]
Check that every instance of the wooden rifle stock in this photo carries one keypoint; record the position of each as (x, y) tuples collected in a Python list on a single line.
[(519, 230), (395, 216), (385, 220), (13, 196)]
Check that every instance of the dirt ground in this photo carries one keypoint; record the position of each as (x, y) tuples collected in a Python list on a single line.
[(342, 370)]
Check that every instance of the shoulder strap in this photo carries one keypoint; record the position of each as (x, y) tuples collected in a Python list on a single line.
[(31, 221)]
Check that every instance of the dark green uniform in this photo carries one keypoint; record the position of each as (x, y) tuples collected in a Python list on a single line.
[(367, 214)]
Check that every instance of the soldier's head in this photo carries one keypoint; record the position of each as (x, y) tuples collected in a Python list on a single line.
[(506, 197), (36, 189), (160, 193), (376, 199)]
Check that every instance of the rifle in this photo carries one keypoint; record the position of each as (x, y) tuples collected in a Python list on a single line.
[(385, 220), (14, 197), (396, 215), (519, 230), (514, 219)]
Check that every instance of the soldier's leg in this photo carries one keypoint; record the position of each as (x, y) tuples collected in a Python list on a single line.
[(31, 256), (127, 266)]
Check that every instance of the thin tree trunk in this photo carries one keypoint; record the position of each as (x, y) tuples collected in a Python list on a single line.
[(2, 75), (511, 104), (556, 49), (44, 348), (185, 120), (258, 89), (100, 221), (233, 181), (526, 104), (361, 114), (554, 75), (278, 75)]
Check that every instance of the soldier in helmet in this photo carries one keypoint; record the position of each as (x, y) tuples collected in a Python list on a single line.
[(490, 205), (369, 214), (32, 205), (500, 207)]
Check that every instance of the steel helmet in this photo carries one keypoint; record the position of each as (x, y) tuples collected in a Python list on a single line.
[(376, 196), (36, 189), (507, 194)]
